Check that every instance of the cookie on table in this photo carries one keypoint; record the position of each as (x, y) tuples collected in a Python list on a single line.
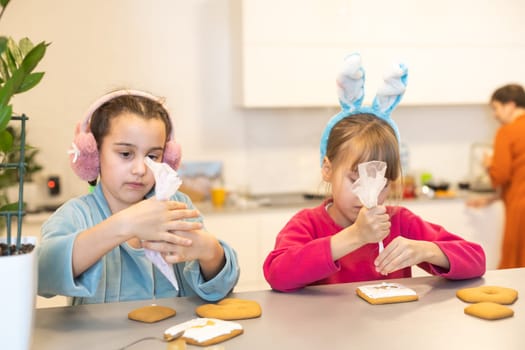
[(230, 309), (495, 294), (205, 331), (489, 310), (386, 293), (151, 313)]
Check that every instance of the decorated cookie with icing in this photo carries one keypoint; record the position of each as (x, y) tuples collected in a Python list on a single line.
[(205, 331), (386, 293)]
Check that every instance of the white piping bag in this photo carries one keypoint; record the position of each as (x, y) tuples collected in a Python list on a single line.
[(167, 182), (369, 185)]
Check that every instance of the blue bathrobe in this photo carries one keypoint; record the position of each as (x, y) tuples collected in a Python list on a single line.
[(122, 274)]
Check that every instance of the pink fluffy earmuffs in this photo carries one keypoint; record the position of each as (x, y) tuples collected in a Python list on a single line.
[(84, 157)]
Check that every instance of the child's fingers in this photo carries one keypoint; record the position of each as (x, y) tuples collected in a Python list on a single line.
[(399, 254), (379, 210), (179, 225), (174, 205), (179, 214), (168, 247), (179, 238)]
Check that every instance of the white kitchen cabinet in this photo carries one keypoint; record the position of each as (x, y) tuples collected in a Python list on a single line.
[(241, 232), (287, 53), (252, 235)]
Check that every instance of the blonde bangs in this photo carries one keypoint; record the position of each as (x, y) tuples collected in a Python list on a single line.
[(362, 139)]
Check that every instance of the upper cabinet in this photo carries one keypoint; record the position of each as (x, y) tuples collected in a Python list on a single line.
[(288, 52)]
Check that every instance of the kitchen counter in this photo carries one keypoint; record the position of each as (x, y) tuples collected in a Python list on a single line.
[(272, 202)]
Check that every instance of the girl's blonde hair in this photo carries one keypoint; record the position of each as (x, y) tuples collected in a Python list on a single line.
[(361, 138)]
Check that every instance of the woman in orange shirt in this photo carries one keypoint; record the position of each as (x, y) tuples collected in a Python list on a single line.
[(506, 168)]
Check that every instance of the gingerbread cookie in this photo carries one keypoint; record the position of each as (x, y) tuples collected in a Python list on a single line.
[(489, 311), (151, 313), (386, 293), (230, 309), (500, 295), (205, 331)]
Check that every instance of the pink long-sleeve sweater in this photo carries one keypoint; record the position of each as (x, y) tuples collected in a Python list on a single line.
[(302, 254)]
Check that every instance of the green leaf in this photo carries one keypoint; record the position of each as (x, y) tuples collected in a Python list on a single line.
[(6, 141), (11, 62), (25, 46), (3, 44), (5, 116), (33, 57), (4, 3), (30, 82), (10, 86), (3, 70), (10, 207), (13, 48)]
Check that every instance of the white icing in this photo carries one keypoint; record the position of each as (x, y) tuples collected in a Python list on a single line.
[(203, 329), (386, 290)]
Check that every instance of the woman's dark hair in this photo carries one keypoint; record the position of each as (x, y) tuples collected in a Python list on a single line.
[(510, 93)]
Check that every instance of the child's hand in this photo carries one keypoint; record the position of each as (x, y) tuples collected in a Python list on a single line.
[(372, 225), (152, 220), (204, 247), (403, 252)]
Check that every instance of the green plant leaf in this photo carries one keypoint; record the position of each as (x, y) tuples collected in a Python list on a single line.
[(30, 82), (13, 84), (4, 70), (5, 116), (11, 61), (15, 51), (6, 141), (4, 2), (10, 207), (33, 57), (3, 44), (29, 63), (25, 46), (10, 86)]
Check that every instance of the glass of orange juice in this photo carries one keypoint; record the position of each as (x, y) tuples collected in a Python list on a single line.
[(218, 196)]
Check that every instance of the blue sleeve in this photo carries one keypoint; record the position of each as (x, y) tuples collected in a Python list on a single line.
[(223, 283), (55, 251), (218, 287)]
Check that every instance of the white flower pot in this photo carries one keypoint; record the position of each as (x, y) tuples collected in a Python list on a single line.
[(18, 274)]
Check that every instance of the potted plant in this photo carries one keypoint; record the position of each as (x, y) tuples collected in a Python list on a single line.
[(17, 257)]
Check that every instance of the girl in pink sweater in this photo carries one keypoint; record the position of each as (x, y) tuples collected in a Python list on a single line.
[(337, 242)]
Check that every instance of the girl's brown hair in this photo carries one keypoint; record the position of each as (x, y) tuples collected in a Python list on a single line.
[(362, 138), (139, 105)]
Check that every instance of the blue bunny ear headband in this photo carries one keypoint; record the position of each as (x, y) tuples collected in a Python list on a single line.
[(350, 88)]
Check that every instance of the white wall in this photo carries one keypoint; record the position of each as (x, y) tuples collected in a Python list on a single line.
[(182, 50)]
